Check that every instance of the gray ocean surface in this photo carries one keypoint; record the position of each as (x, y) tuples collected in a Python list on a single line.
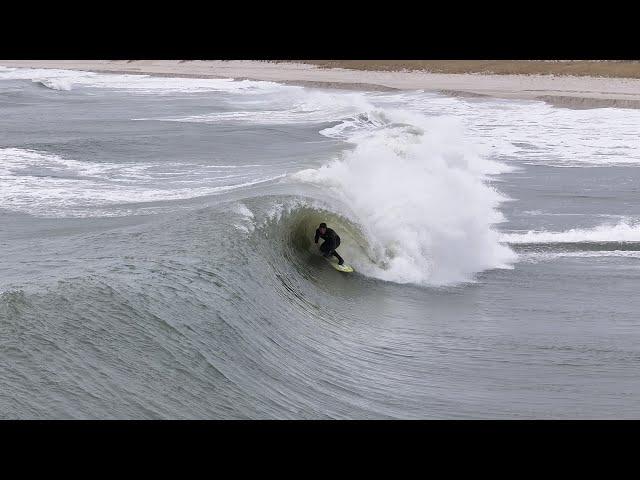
[(158, 258)]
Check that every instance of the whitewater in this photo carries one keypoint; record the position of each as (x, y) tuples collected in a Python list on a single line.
[(158, 255)]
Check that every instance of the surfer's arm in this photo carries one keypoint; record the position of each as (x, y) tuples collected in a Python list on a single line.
[(317, 235)]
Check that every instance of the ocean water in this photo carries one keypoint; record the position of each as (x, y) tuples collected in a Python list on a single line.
[(158, 257)]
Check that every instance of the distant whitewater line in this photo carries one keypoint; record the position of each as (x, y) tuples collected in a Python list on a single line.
[(60, 79), (624, 231), (536, 257)]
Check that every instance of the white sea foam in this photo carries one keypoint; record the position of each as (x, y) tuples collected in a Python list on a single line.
[(45, 184), (537, 133)]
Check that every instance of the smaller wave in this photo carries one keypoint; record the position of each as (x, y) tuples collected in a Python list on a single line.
[(245, 218), (362, 122), (625, 231), (261, 117), (55, 83), (12, 301), (290, 106)]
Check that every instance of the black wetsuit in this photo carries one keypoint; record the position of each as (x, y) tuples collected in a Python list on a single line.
[(331, 242)]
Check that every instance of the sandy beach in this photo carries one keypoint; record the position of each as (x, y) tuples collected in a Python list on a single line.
[(569, 84)]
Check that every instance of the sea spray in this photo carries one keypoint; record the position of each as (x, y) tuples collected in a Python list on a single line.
[(419, 192)]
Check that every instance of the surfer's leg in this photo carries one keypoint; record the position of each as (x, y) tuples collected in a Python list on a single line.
[(335, 254), (324, 248)]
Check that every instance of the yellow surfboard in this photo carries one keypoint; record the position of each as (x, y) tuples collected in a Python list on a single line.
[(341, 268)]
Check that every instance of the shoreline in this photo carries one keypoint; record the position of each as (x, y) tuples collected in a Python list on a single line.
[(577, 92)]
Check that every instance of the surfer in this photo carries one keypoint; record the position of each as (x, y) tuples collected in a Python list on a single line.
[(331, 242)]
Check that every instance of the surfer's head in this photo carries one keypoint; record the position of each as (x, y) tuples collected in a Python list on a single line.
[(322, 228)]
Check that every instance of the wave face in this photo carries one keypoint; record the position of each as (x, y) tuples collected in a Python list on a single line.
[(415, 186), (159, 257)]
